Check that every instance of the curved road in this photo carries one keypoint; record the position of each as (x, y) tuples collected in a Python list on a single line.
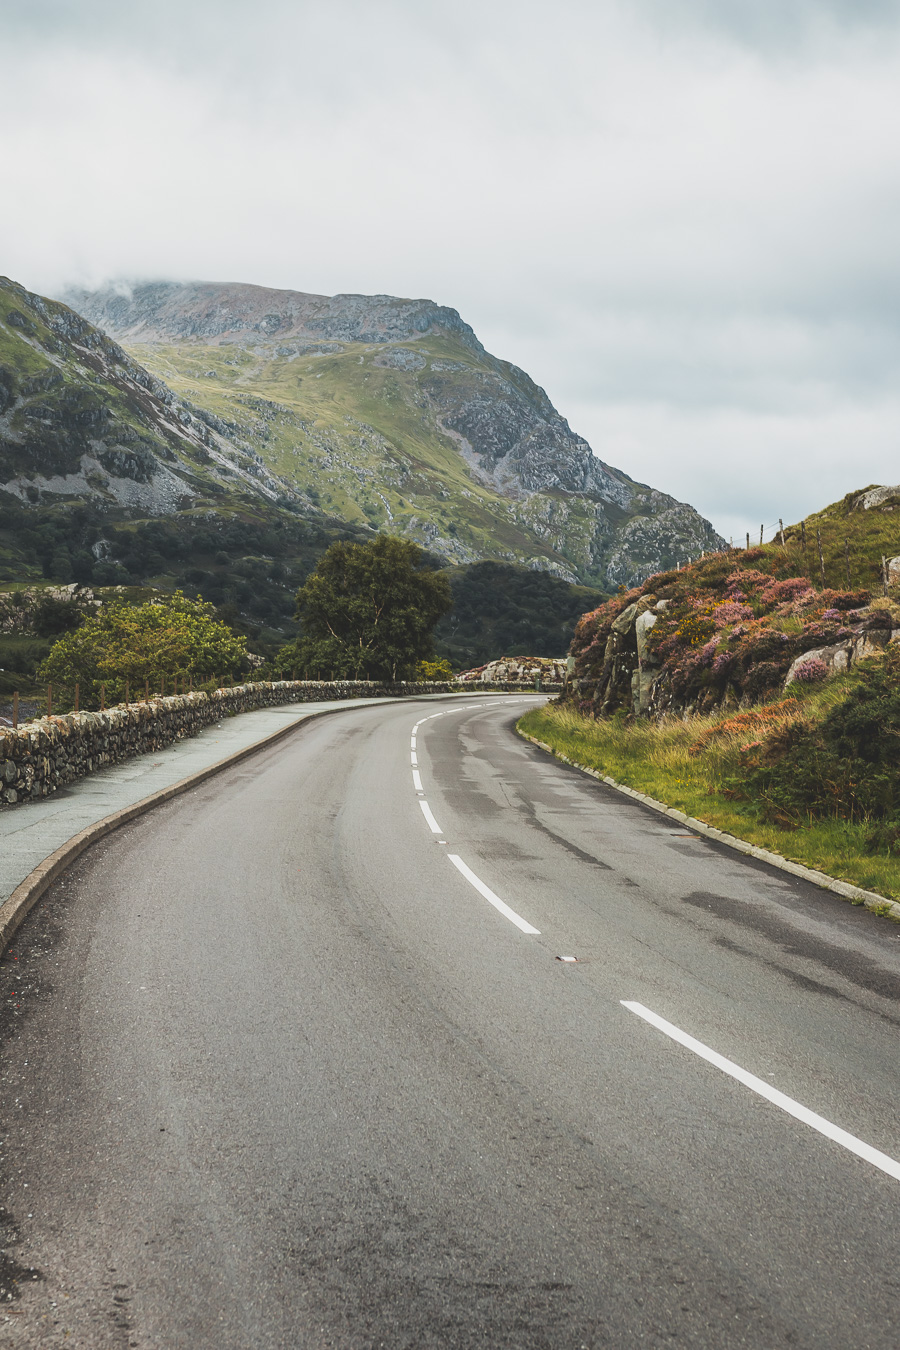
[(279, 1072)]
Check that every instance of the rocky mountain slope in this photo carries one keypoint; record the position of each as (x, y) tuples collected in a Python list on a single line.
[(389, 413), (81, 419)]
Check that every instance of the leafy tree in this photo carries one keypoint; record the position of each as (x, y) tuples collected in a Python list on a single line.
[(170, 636), (368, 611)]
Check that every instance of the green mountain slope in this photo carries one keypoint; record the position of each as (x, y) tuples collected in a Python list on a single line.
[(390, 413)]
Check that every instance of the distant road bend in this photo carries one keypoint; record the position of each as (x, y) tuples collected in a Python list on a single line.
[(402, 1034)]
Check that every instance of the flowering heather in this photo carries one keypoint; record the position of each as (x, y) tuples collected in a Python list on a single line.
[(730, 612), (746, 581), (812, 670), (791, 588)]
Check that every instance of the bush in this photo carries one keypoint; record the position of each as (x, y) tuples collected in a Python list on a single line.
[(849, 769), (811, 671)]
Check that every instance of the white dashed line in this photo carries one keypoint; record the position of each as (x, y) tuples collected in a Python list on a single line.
[(433, 826), (417, 781), (413, 759), (771, 1094), (489, 895)]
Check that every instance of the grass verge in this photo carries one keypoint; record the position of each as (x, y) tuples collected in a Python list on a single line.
[(693, 765)]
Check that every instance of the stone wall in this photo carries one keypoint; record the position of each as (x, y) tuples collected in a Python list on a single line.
[(41, 756)]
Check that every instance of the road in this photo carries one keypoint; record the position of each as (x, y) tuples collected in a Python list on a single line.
[(278, 1072)]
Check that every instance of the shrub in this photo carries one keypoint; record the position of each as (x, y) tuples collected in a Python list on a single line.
[(812, 670)]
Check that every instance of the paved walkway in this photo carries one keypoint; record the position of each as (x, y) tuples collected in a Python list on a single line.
[(31, 832)]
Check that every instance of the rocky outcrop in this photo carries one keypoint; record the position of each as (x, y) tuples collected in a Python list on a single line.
[(526, 670), (296, 320), (838, 657), (732, 630)]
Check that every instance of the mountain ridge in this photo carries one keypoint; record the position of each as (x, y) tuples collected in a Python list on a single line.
[(412, 413)]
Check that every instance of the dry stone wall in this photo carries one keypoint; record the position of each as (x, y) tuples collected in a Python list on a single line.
[(43, 755)]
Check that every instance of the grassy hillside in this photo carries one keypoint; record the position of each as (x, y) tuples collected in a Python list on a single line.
[(854, 538)]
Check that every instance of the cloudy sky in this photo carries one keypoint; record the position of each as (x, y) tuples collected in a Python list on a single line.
[(680, 216)]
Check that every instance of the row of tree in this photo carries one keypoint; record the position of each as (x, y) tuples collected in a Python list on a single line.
[(367, 612)]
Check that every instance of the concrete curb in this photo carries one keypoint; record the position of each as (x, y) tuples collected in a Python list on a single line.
[(26, 895), (878, 904)]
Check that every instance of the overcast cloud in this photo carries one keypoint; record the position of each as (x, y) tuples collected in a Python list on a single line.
[(680, 216)]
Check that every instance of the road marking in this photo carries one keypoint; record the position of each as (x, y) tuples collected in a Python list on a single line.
[(489, 895), (417, 781), (412, 742), (771, 1094), (413, 759), (432, 823)]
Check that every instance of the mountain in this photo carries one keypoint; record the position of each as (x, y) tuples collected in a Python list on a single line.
[(389, 413)]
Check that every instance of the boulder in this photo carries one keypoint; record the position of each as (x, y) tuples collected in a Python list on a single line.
[(625, 620), (836, 657), (642, 626), (870, 643)]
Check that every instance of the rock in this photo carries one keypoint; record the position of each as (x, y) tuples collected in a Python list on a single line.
[(879, 496), (625, 620), (642, 689), (870, 643), (642, 626), (837, 657)]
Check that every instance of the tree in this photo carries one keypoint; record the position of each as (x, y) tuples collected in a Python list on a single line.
[(368, 611), (170, 636)]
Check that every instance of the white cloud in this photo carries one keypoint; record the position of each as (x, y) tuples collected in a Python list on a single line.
[(679, 217)]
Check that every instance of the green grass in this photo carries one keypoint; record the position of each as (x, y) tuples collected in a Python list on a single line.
[(655, 758), (853, 542)]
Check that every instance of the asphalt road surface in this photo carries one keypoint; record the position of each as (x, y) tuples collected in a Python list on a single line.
[(294, 1061)]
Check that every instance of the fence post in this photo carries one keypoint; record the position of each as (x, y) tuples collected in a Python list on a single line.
[(103, 696), (49, 700), (781, 530), (761, 528), (748, 538), (821, 555), (127, 692), (847, 557), (884, 575), (15, 708), (146, 690), (76, 696)]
